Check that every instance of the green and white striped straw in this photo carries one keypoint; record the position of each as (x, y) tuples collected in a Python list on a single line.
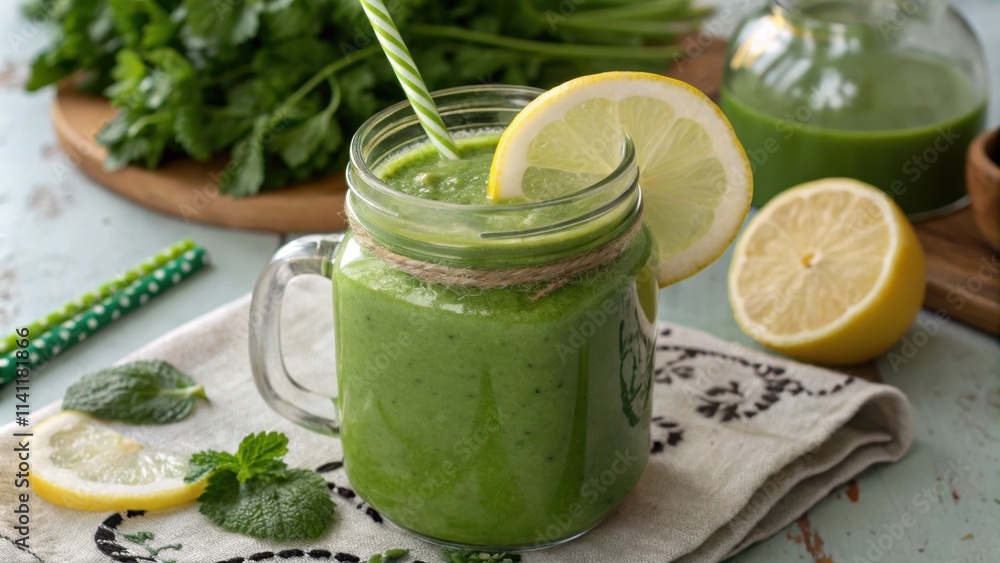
[(181, 260), (409, 78)]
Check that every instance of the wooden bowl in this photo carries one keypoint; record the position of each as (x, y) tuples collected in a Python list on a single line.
[(983, 177)]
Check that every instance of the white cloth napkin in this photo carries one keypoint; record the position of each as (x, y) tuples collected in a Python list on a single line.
[(744, 443)]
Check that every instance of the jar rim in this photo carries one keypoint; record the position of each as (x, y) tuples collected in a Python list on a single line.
[(481, 235), (372, 179)]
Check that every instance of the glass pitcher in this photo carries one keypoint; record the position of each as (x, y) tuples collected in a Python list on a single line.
[(890, 92)]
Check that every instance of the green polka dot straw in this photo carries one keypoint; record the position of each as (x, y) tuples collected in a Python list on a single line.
[(76, 321)]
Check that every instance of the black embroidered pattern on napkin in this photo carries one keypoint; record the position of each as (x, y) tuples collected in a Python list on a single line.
[(107, 535), (346, 492), (672, 433), (741, 395), (107, 540)]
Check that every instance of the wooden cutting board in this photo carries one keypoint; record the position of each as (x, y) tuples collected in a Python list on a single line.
[(186, 188), (963, 272)]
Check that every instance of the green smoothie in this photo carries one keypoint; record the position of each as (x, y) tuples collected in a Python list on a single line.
[(901, 122), (487, 417), (423, 173)]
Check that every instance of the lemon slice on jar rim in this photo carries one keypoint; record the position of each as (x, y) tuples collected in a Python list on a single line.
[(694, 175)]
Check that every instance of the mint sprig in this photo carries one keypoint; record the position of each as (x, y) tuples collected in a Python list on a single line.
[(253, 492), (142, 392)]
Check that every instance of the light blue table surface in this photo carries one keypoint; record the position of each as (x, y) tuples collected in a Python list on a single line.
[(61, 234)]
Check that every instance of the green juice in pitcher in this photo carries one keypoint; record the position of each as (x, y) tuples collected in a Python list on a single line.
[(487, 417), (907, 134), (844, 88)]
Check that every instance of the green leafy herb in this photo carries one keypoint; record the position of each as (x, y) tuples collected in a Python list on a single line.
[(143, 392), (389, 556), (253, 492), (143, 539), (467, 556), (140, 537), (279, 85)]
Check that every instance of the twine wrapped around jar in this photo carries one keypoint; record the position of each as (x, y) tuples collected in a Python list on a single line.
[(556, 273)]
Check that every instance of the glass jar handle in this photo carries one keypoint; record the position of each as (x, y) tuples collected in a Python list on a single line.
[(304, 256)]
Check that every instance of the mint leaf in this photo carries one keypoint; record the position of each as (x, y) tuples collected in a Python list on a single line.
[(297, 506), (261, 446), (221, 487), (143, 392), (205, 462), (260, 455), (253, 492)]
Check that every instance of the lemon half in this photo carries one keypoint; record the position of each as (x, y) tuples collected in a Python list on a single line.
[(79, 463), (694, 175), (829, 272)]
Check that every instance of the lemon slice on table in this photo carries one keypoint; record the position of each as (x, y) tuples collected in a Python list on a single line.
[(695, 178), (829, 271), (79, 463)]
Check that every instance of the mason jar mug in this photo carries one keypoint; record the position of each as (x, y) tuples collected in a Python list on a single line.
[(477, 415)]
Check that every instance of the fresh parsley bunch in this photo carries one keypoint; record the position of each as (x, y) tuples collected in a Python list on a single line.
[(281, 84), (253, 492)]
